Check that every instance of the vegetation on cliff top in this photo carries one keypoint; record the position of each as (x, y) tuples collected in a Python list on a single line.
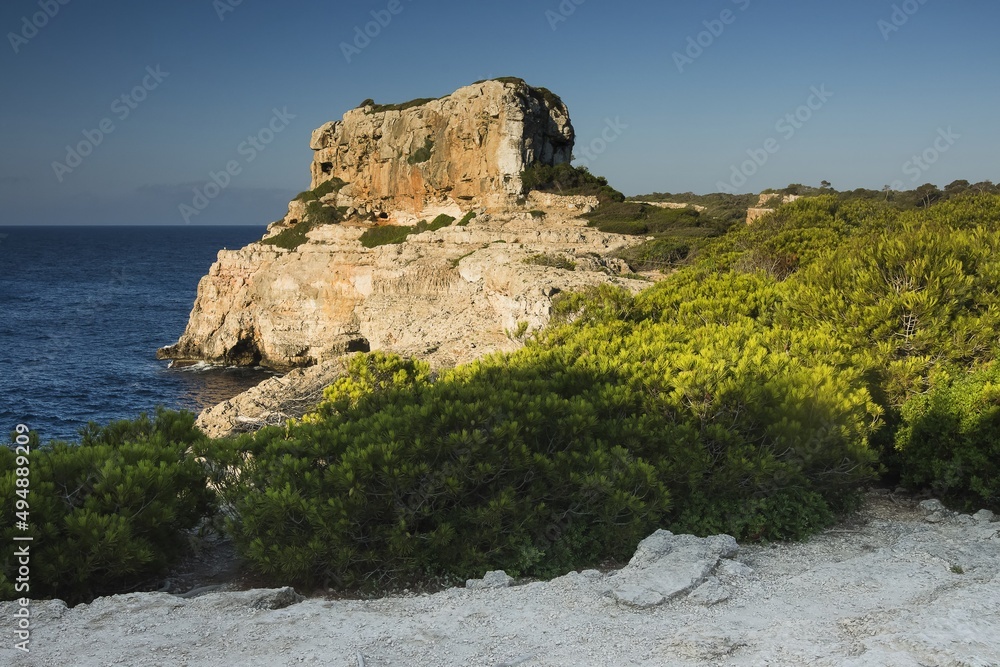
[(565, 179), (390, 234), (317, 214)]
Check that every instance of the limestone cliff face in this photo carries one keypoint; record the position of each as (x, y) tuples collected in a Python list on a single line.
[(462, 151), (447, 296)]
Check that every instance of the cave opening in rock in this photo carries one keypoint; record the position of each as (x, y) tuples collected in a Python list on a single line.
[(244, 353), (327, 167), (359, 345)]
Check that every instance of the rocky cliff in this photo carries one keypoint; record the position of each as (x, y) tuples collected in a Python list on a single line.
[(461, 151), (447, 295)]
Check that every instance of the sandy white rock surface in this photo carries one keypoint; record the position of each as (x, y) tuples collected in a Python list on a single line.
[(889, 587)]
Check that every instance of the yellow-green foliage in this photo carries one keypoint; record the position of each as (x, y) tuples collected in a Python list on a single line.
[(918, 294)]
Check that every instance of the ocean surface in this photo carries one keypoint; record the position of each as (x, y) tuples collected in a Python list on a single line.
[(82, 312)]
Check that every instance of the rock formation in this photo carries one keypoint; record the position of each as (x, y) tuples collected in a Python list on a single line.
[(462, 151), (447, 295), (766, 205)]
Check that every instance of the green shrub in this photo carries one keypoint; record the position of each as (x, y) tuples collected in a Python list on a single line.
[(390, 234), (466, 219), (422, 154), (566, 179), (403, 106), (440, 222), (385, 235), (723, 212), (290, 238), (324, 188), (949, 441), (316, 214), (109, 513), (555, 261), (661, 254), (453, 478)]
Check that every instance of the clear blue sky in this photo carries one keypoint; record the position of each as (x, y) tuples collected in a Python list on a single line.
[(610, 61)]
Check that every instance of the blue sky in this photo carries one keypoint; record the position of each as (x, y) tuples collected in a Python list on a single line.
[(890, 92)]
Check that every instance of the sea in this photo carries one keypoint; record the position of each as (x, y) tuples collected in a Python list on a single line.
[(82, 313)]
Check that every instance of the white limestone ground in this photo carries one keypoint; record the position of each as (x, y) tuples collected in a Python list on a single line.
[(899, 585)]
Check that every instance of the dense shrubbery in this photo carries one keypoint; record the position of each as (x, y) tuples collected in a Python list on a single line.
[(722, 210), (950, 439), (754, 392), (643, 219), (109, 513), (606, 429), (660, 254)]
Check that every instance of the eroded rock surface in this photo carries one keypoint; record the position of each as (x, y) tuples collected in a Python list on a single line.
[(446, 296)]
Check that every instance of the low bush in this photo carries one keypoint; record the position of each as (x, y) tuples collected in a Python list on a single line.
[(566, 179), (316, 214), (661, 254), (422, 154), (466, 219), (107, 514), (555, 261), (390, 234), (324, 188), (402, 106)]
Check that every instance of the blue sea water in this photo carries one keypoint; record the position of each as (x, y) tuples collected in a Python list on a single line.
[(82, 312)]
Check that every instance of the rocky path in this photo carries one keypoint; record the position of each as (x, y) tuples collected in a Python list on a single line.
[(899, 585)]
